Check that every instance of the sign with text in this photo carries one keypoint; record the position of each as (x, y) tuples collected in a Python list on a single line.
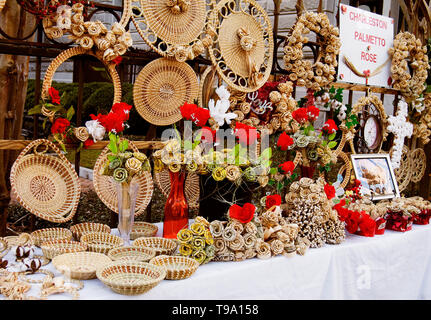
[(365, 40)]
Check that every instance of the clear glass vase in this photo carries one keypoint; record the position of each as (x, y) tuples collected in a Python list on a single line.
[(126, 194)]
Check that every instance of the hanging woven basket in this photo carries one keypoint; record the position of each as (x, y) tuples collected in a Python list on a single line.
[(46, 184)]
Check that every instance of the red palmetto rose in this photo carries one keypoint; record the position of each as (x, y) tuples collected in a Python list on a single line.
[(287, 167), (300, 115), (243, 214), (330, 126), (55, 97), (188, 110), (329, 191), (272, 200), (201, 116), (284, 141), (60, 125), (313, 113)]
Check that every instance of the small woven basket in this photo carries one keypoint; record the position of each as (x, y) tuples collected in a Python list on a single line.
[(143, 229), (78, 230), (54, 248), (161, 245), (80, 265), (131, 277), (177, 267), (49, 234), (142, 254), (101, 242)]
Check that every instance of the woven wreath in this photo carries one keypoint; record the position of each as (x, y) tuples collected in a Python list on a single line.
[(408, 53), (322, 71)]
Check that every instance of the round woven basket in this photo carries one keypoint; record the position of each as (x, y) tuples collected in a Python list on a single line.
[(101, 242), (419, 161), (161, 245), (86, 227), (143, 229), (46, 185), (49, 234), (161, 88), (80, 265), (54, 248), (107, 190), (130, 277), (142, 254), (177, 267)]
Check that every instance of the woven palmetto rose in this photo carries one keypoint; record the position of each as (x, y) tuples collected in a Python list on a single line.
[(185, 235), (197, 229), (250, 240), (263, 249), (240, 256), (208, 237), (81, 133), (237, 243), (250, 227), (120, 175), (175, 167), (277, 247), (199, 243), (210, 251), (220, 245), (237, 225), (133, 165), (233, 173), (229, 234), (185, 249), (199, 256), (216, 228), (192, 166), (219, 173)]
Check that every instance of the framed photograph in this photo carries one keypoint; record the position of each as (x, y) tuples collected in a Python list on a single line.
[(376, 175)]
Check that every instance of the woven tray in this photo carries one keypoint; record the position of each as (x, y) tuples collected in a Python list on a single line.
[(80, 265), (161, 245), (161, 88), (54, 248), (86, 227), (143, 229), (142, 254), (46, 185), (107, 190), (130, 277), (49, 234), (177, 267), (101, 242)]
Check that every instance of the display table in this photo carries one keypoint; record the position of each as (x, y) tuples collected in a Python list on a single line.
[(391, 266)]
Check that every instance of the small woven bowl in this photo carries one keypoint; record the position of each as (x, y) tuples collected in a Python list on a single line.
[(131, 277), (143, 229), (177, 267), (48, 234), (54, 248), (161, 245), (101, 242), (142, 254), (86, 227), (80, 265)]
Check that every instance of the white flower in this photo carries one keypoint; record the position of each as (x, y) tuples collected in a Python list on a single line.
[(95, 129), (223, 93), (218, 111)]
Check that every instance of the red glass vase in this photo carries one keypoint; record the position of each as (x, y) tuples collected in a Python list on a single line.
[(307, 172), (176, 207)]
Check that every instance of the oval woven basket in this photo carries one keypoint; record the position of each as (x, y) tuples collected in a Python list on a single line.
[(177, 267), (80, 265), (143, 229), (54, 248), (86, 227), (107, 191), (101, 242), (130, 277), (49, 234), (161, 88), (143, 254), (46, 185), (161, 245)]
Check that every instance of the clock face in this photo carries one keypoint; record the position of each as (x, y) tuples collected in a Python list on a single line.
[(372, 132)]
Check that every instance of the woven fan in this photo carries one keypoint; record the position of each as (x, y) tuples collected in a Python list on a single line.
[(191, 191), (107, 191), (243, 48), (46, 185), (161, 88)]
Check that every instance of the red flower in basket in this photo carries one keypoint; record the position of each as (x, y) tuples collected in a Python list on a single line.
[(117, 60), (89, 142), (284, 141), (313, 113), (273, 200), (246, 134), (55, 97), (60, 125), (329, 191), (287, 167), (300, 115), (330, 127), (188, 110), (244, 214), (201, 116), (122, 109)]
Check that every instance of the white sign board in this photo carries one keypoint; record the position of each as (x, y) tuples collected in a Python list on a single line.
[(365, 39)]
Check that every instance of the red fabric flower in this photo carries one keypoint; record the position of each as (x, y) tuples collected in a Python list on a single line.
[(201, 116), (60, 125), (55, 97), (287, 167), (284, 141), (244, 214), (188, 110), (88, 142), (246, 134), (117, 60), (313, 113), (367, 225), (112, 121), (208, 135), (352, 221), (272, 200), (329, 190), (330, 126), (122, 109), (300, 115)]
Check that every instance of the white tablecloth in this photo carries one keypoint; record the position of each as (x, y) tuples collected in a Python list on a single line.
[(391, 266)]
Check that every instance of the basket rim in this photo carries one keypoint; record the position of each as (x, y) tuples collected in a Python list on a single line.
[(107, 236), (193, 263), (66, 259), (151, 252), (171, 242)]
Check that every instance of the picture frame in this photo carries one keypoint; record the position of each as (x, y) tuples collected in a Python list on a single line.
[(376, 174)]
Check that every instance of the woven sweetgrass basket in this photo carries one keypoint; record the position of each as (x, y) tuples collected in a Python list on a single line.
[(161, 88), (4, 247), (131, 277), (177, 267), (143, 229), (49, 234), (142, 254), (101, 242), (161, 245), (46, 185), (86, 227), (80, 265), (107, 190), (54, 248)]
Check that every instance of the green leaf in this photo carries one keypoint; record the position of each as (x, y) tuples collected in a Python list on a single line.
[(111, 158), (332, 144), (35, 110), (113, 146), (332, 90), (44, 123), (332, 136), (273, 171), (70, 113), (280, 186), (266, 154), (271, 182), (324, 143), (123, 145)]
